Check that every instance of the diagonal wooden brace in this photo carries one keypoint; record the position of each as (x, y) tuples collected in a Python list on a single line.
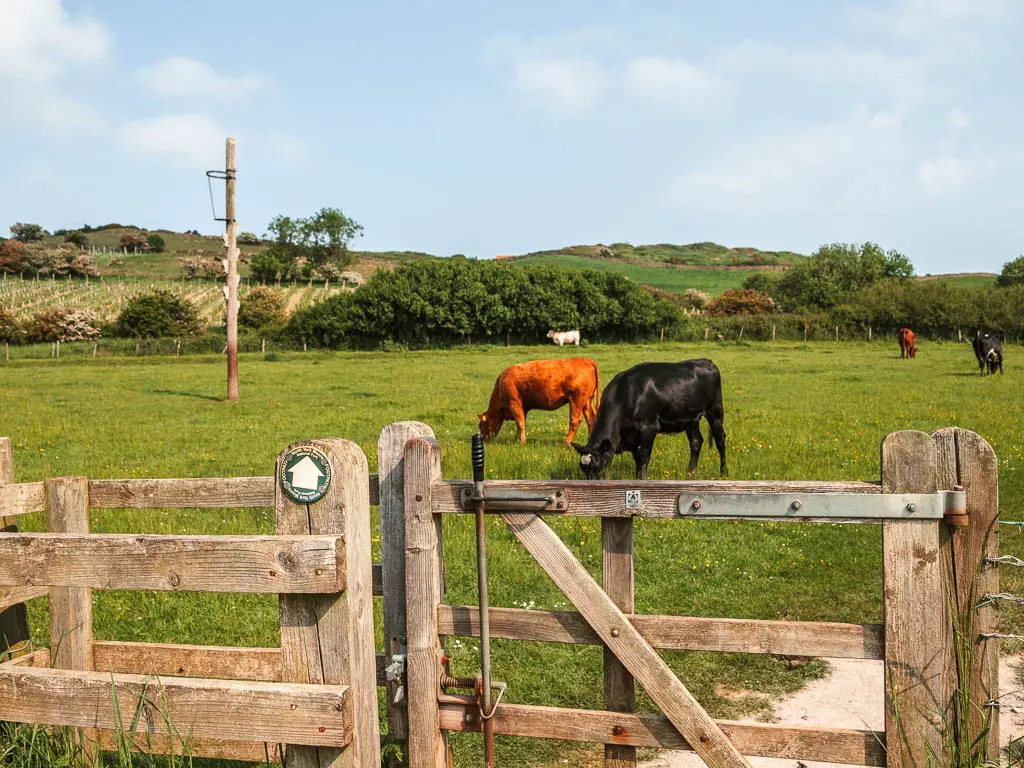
[(619, 636)]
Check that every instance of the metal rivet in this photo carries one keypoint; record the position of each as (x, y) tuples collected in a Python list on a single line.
[(419, 497), (911, 507), (294, 707), (797, 505), (321, 729), (319, 571), (615, 633), (273, 573), (468, 718), (697, 504)]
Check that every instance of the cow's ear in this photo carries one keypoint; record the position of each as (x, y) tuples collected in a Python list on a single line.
[(605, 446), (579, 448)]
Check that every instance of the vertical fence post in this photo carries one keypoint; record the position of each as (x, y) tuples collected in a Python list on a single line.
[(391, 473), (328, 639), (14, 634), (424, 587), (67, 511), (917, 629), (967, 460), (619, 689)]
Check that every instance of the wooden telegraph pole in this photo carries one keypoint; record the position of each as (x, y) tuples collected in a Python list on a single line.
[(231, 267)]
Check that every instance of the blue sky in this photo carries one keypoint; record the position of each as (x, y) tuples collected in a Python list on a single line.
[(480, 128)]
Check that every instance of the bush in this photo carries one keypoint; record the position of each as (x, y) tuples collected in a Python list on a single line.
[(158, 314), (741, 301), (78, 239), (63, 261), (28, 233), (62, 324), (268, 268), (248, 238), (156, 243), (1012, 274), (10, 330), (765, 282), (12, 257), (261, 307), (694, 299), (134, 242), (197, 266)]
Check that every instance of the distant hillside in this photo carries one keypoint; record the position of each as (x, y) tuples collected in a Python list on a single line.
[(665, 254)]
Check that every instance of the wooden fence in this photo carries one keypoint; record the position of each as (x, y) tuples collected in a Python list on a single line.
[(316, 693)]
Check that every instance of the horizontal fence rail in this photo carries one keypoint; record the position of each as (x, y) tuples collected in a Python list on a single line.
[(262, 564)]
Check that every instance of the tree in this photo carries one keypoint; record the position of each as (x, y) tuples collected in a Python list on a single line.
[(12, 257), (156, 243), (134, 242), (261, 307), (248, 238), (764, 282), (62, 324), (159, 314), (694, 299), (28, 233), (77, 239), (834, 271), (1012, 274), (741, 301), (325, 238)]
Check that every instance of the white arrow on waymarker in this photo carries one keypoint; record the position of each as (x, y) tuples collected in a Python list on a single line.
[(306, 474)]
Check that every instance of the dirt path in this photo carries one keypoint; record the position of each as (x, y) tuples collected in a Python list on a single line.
[(851, 697)]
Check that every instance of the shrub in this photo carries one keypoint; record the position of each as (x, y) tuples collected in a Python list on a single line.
[(62, 324), (10, 330), (741, 301), (28, 233), (159, 314), (1012, 274), (764, 282), (77, 239), (12, 257), (267, 267), (261, 307), (694, 299), (60, 262), (156, 243), (134, 242), (248, 238), (197, 266)]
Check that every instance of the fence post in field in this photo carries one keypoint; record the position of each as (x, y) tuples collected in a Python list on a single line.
[(14, 634), (917, 629), (328, 639), (619, 689), (67, 511), (391, 474), (968, 461), (424, 585)]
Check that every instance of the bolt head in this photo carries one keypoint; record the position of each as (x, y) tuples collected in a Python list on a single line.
[(797, 505), (697, 504), (615, 633), (911, 507)]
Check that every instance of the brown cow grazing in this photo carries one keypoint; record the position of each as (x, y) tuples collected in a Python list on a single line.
[(543, 385), (908, 343)]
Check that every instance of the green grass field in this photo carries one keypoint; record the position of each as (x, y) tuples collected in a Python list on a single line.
[(792, 412), (712, 281)]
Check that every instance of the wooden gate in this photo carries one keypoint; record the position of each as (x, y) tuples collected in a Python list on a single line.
[(937, 503)]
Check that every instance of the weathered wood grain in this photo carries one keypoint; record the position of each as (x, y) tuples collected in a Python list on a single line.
[(836, 745), (422, 468), (21, 564), (391, 471), (378, 579), (617, 580), (39, 658), (917, 625), (14, 595), (681, 633), (216, 709), (329, 639), (158, 744), (295, 564), (15, 637), (204, 661), (21, 499), (607, 498), (967, 460), (642, 661)]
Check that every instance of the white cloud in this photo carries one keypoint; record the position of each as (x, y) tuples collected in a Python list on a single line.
[(958, 119), (567, 86), (777, 171), (675, 81), (181, 76), (195, 139), (945, 174)]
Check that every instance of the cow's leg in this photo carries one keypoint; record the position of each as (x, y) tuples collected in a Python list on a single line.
[(642, 453), (589, 413), (696, 443), (717, 422), (575, 415), (519, 417)]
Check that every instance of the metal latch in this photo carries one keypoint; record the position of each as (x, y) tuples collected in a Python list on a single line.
[(395, 673), (515, 500)]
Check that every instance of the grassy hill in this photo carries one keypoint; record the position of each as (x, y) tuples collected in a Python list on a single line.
[(692, 255)]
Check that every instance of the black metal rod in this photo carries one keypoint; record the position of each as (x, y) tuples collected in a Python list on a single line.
[(485, 624)]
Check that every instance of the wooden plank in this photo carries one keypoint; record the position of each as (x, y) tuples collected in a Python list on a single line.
[(423, 568), (39, 658), (607, 498), (917, 627), (821, 639), (219, 749), (391, 469), (190, 492), (15, 637), (217, 709), (967, 460), (267, 564), (14, 595), (836, 745), (329, 639), (660, 683), (617, 580), (21, 499)]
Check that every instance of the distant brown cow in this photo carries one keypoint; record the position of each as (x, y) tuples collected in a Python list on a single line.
[(543, 385), (908, 343)]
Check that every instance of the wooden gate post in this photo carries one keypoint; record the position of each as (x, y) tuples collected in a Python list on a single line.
[(14, 633), (328, 639), (391, 474), (619, 688), (424, 588), (917, 627), (967, 460)]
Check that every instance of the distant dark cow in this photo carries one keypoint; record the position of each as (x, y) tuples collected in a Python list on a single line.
[(649, 399), (543, 385), (989, 352), (908, 343)]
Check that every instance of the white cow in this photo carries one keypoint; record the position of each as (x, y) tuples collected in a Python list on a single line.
[(565, 337)]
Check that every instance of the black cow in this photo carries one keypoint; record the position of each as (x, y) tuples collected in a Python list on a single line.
[(989, 351), (651, 398)]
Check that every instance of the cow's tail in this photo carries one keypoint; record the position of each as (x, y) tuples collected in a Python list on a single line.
[(597, 391)]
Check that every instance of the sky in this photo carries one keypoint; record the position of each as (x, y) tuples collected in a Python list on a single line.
[(485, 129)]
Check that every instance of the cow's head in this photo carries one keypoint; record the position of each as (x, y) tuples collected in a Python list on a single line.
[(551, 334), (489, 427), (594, 461)]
